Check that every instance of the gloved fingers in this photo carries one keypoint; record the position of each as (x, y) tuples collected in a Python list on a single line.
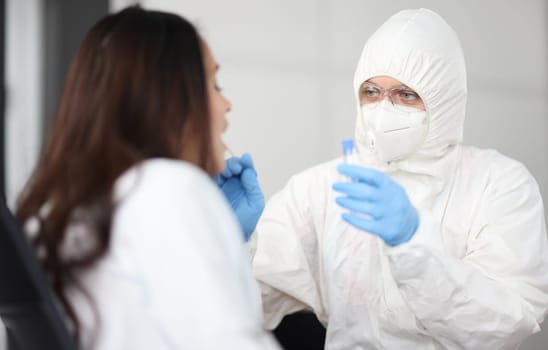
[(235, 200), (232, 167), (410, 222), (363, 174), (226, 171), (358, 190), (359, 221), (251, 185), (369, 225), (359, 206), (249, 179), (219, 179), (247, 161)]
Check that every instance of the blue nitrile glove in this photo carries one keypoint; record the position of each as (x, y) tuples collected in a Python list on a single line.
[(378, 204), (239, 183)]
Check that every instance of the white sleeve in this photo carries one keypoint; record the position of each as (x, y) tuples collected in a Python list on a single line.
[(189, 254), (497, 294), (285, 260)]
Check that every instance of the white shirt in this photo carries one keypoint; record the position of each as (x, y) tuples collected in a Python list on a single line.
[(177, 274)]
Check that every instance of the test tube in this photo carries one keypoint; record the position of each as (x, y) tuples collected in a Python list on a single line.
[(349, 152)]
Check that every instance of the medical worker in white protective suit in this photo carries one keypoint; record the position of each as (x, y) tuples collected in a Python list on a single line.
[(441, 245)]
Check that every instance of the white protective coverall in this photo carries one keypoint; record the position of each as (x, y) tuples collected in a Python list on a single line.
[(474, 275), (177, 273)]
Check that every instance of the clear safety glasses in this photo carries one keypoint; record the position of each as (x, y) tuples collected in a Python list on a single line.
[(400, 96)]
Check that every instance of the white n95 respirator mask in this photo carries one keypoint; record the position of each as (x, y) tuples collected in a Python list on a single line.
[(394, 133)]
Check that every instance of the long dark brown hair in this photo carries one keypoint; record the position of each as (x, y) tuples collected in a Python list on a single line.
[(136, 89)]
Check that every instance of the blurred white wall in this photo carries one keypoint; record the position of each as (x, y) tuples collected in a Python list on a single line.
[(287, 67), (23, 92)]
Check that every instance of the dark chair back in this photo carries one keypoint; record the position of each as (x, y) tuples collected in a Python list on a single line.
[(27, 305)]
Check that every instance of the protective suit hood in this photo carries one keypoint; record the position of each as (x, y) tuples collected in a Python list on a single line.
[(418, 48)]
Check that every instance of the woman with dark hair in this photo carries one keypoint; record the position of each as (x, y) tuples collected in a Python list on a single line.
[(141, 247)]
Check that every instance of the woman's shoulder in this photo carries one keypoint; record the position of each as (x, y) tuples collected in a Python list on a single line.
[(158, 177), (156, 168), (165, 190), (169, 196)]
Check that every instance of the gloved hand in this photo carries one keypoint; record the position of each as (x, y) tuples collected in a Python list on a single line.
[(239, 184), (378, 204)]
